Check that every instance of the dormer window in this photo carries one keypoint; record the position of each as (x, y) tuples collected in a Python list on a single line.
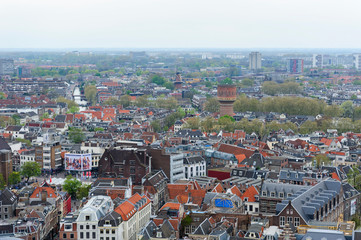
[(273, 194), (281, 195), (264, 193)]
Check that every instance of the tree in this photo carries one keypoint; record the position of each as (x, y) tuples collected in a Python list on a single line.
[(90, 93), (83, 191), (73, 109), (168, 85), (2, 182), (246, 82), (353, 97), (156, 125), (2, 95), (212, 105), (193, 123), (112, 102), (16, 119), (321, 160), (14, 178), (30, 169), (157, 79), (142, 101), (308, 127), (227, 81), (98, 129), (125, 100), (25, 141), (76, 135), (208, 124), (72, 185), (347, 109), (69, 102)]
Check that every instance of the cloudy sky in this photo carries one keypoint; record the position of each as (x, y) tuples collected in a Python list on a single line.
[(180, 24)]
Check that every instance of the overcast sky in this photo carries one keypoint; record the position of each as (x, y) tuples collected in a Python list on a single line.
[(180, 24)]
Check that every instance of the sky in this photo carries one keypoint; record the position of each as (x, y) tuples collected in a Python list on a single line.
[(180, 24)]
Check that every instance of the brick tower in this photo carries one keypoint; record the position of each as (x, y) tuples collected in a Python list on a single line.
[(226, 94), (178, 81)]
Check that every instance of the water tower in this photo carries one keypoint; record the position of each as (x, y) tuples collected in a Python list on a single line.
[(227, 95)]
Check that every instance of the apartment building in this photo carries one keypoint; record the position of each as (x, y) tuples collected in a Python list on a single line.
[(48, 156)]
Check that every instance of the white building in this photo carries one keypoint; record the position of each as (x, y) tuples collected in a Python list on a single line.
[(27, 156), (255, 60), (317, 60), (89, 216), (176, 167), (135, 213), (194, 166), (357, 61)]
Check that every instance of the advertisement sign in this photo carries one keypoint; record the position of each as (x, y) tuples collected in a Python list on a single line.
[(78, 162)]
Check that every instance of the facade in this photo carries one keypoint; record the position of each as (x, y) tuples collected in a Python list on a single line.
[(125, 162), (357, 61), (155, 184), (171, 164), (6, 163), (255, 61), (8, 203), (89, 216), (194, 166), (48, 156), (68, 227), (295, 65), (27, 156), (135, 213), (227, 95), (322, 202), (317, 60)]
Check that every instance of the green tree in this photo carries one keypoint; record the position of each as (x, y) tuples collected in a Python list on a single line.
[(156, 125), (208, 124), (112, 102), (227, 81), (125, 100), (76, 135), (73, 109), (347, 109), (212, 105), (90, 93), (247, 82), (16, 119), (308, 127), (168, 85), (2, 182), (25, 141), (14, 178), (353, 97), (72, 185), (69, 102), (157, 79), (30, 169), (193, 123), (98, 129), (320, 160), (2, 95), (83, 191), (142, 101)]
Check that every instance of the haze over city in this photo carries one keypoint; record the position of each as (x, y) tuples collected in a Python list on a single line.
[(183, 24)]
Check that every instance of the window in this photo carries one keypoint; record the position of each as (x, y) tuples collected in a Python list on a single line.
[(6, 216), (273, 194), (87, 218), (281, 195), (6, 209), (113, 238), (251, 208), (87, 235), (64, 235), (81, 235), (282, 221), (113, 231), (94, 235), (71, 235), (81, 227), (297, 221), (94, 226), (87, 226), (290, 220), (101, 231), (264, 193), (107, 231)]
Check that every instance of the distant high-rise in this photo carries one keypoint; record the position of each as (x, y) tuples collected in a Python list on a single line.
[(295, 65), (357, 61), (317, 61), (6, 66), (255, 60)]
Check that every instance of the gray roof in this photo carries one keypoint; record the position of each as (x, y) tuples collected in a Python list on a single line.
[(307, 201), (316, 234), (269, 187)]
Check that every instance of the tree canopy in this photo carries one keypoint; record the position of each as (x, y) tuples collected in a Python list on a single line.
[(30, 169)]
